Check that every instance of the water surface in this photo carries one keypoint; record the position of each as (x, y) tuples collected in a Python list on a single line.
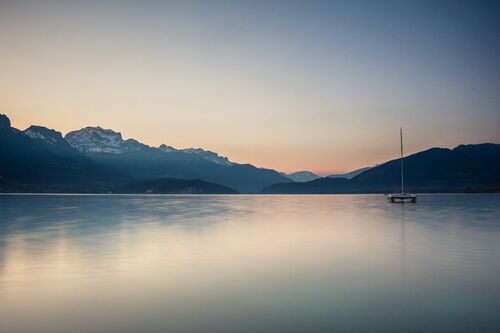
[(340, 263)]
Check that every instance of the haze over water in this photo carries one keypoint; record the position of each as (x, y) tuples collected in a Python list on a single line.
[(74, 263)]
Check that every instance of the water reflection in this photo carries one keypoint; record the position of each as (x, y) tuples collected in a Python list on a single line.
[(248, 263)]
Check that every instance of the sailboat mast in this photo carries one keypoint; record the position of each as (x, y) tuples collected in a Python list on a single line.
[(402, 181)]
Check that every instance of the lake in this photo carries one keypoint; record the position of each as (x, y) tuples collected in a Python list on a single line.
[(249, 263)]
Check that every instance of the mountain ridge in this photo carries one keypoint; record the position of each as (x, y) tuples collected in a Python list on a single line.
[(145, 162), (350, 174), (94, 148), (465, 168), (98, 160), (38, 165)]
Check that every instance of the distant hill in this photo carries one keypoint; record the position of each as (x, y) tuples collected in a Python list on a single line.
[(466, 168), (303, 176), (349, 175), (169, 186)]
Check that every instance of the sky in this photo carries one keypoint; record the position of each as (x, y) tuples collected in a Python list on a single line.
[(291, 85)]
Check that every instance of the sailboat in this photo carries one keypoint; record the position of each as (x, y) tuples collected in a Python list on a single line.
[(402, 197)]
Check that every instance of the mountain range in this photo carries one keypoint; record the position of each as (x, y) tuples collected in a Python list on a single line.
[(141, 161), (97, 160), (465, 168)]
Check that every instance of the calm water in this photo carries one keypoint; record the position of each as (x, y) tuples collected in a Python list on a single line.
[(249, 264)]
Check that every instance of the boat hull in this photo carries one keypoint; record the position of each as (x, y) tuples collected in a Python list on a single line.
[(402, 198)]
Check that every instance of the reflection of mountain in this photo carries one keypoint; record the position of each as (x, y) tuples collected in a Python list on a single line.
[(464, 168), (75, 217)]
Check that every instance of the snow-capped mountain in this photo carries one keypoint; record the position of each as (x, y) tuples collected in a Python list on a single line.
[(208, 155), (303, 176), (92, 140), (167, 149), (202, 153), (50, 139), (45, 135), (132, 158)]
